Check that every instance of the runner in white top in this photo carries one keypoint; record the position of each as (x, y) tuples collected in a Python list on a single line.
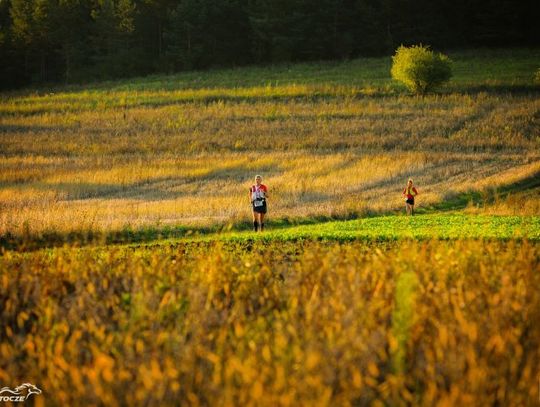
[(258, 194)]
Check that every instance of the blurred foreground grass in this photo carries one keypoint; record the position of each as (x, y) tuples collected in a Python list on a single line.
[(299, 323)]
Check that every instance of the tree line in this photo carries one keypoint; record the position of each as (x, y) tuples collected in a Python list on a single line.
[(79, 40)]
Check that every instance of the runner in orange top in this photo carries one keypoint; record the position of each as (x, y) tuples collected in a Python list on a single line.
[(258, 194), (410, 192)]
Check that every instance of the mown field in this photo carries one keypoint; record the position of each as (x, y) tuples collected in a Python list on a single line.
[(127, 275), (331, 141)]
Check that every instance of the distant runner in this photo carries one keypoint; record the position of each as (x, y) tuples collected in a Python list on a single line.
[(257, 196), (410, 192)]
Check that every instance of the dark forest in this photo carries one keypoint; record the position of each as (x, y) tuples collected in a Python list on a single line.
[(73, 41)]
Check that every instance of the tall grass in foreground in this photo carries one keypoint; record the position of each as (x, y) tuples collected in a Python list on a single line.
[(284, 324)]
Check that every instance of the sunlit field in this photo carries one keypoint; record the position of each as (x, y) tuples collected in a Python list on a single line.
[(435, 323), (183, 150), (129, 275)]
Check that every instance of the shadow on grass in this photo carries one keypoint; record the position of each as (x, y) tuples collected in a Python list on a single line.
[(495, 89), (49, 239), (317, 95), (486, 197), (30, 242)]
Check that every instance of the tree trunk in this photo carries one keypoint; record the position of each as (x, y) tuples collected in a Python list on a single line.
[(42, 70), (389, 38), (68, 66), (160, 38)]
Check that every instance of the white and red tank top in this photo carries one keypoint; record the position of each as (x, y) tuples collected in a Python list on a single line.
[(258, 192)]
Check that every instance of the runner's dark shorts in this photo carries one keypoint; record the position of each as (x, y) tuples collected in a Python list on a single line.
[(260, 209), (410, 201)]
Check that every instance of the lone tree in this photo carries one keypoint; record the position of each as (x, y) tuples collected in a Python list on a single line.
[(420, 69)]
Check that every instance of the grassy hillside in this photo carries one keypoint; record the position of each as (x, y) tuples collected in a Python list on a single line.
[(332, 140), (422, 227), (341, 302), (488, 68)]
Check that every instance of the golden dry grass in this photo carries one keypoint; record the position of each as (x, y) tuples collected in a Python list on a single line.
[(270, 321), (68, 166), (277, 325)]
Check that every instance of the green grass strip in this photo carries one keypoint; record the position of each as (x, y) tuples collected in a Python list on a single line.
[(388, 228), (403, 317)]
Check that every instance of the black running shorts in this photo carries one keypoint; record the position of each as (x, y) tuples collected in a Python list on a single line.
[(259, 206)]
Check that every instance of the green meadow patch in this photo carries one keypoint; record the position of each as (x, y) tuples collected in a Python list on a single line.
[(388, 228)]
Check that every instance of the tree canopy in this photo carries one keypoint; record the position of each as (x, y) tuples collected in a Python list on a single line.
[(80, 40)]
